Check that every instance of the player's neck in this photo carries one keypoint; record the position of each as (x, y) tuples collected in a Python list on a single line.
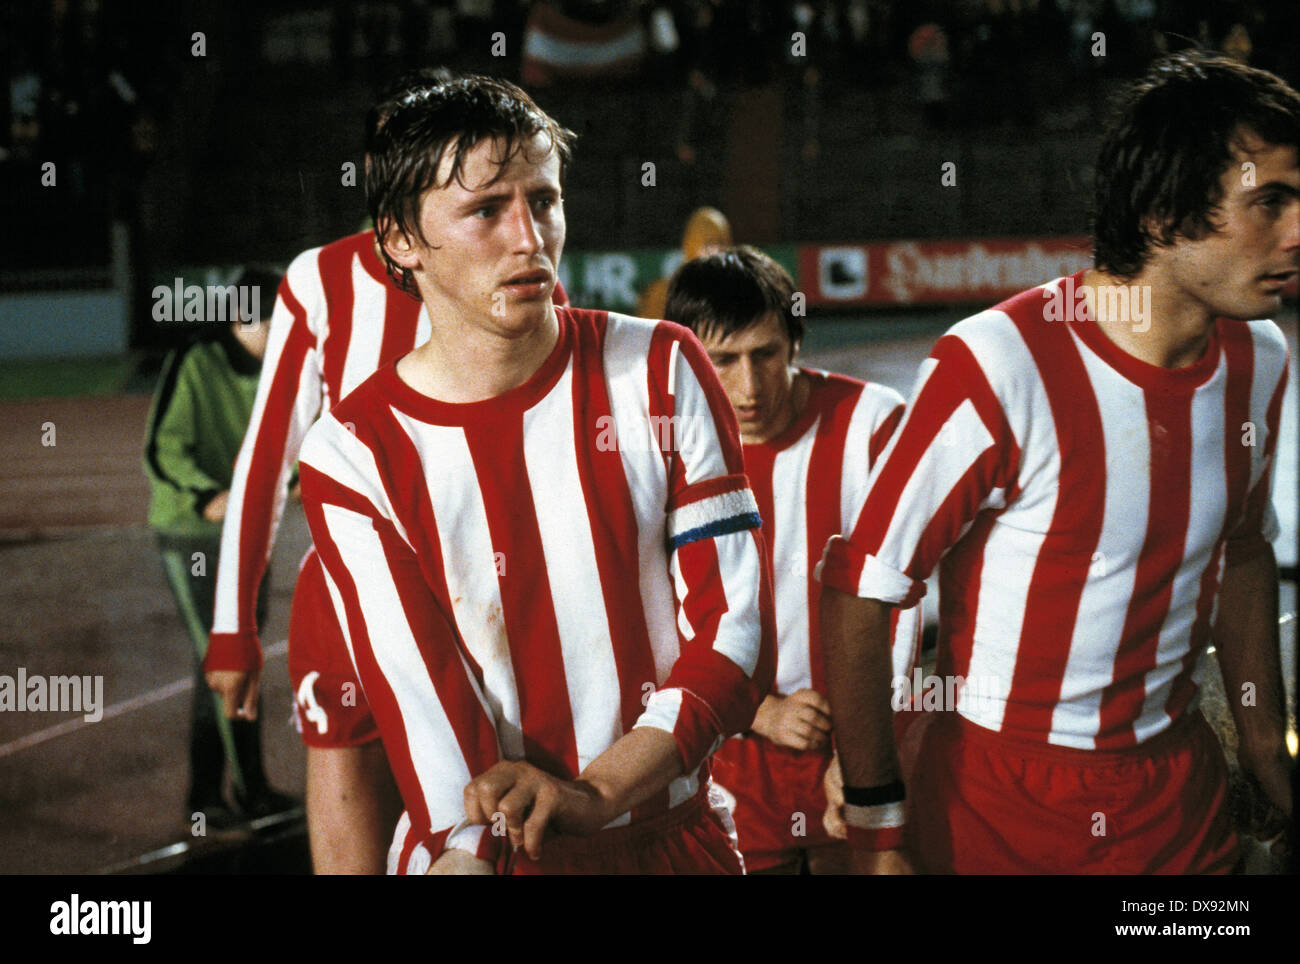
[(1149, 319), (463, 363)]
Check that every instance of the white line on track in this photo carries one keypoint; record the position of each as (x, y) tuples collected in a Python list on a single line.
[(118, 709)]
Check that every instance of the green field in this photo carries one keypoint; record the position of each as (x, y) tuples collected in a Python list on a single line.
[(66, 377)]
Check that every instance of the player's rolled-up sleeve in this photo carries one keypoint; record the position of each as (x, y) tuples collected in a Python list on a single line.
[(953, 455), (726, 616), (876, 416), (438, 732), (846, 567)]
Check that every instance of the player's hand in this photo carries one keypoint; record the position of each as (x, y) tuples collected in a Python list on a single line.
[(833, 785), (531, 802), (460, 863), (863, 861), (1270, 776), (238, 691), (800, 721), (890, 862), (215, 510)]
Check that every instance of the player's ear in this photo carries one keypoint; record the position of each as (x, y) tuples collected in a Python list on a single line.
[(399, 245)]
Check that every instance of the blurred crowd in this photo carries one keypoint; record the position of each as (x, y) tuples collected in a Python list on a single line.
[(84, 82), (89, 84)]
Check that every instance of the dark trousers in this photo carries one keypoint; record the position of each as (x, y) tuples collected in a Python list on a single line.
[(190, 565)]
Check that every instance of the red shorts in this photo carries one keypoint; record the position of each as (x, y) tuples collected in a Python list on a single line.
[(692, 838), (330, 708), (983, 803), (779, 799)]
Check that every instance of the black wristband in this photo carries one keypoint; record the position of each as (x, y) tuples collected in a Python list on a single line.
[(875, 796)]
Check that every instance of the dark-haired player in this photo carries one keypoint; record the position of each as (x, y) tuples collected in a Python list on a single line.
[(338, 317), (536, 528), (1089, 464), (810, 438)]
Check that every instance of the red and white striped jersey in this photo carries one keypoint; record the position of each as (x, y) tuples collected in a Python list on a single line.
[(531, 576), (1080, 504), (337, 318), (810, 483)]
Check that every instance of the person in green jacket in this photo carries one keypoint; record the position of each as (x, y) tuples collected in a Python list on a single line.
[(196, 424)]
